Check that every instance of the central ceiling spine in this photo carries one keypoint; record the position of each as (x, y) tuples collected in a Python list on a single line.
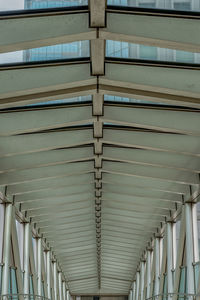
[(97, 49)]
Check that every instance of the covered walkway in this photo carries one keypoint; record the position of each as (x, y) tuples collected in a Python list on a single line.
[(99, 156)]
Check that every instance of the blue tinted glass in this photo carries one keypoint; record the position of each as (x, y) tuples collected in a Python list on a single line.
[(165, 288), (62, 51), (13, 284), (37, 4), (64, 101), (184, 5), (137, 51), (111, 98), (74, 100), (34, 4), (43, 289), (31, 285), (182, 282)]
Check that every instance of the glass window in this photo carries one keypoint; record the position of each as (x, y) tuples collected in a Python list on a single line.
[(137, 51), (147, 4), (83, 99), (31, 292), (165, 288), (43, 293), (183, 56), (112, 98), (186, 5), (182, 283), (38, 4), (13, 284), (182, 5), (34, 4), (146, 52), (54, 52)]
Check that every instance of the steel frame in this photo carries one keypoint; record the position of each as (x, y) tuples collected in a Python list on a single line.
[(101, 143)]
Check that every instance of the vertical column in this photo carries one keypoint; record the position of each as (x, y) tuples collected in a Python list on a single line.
[(26, 257), (142, 268), (2, 214), (55, 280), (134, 290), (169, 257), (149, 255), (157, 266), (68, 295), (48, 262), (189, 248), (6, 248), (174, 246), (195, 232), (130, 296), (39, 265), (64, 290), (137, 285), (60, 285)]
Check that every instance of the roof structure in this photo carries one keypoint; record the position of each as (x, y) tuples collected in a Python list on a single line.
[(99, 178)]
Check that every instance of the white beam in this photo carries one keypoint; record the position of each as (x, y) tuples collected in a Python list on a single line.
[(154, 119), (16, 122), (43, 30), (27, 81), (164, 32), (164, 80)]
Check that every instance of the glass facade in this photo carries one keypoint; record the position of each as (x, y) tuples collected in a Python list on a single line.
[(137, 51), (36, 4), (54, 52), (184, 5), (182, 283)]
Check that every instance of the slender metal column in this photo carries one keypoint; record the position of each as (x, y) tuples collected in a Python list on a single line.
[(174, 246), (6, 248), (149, 255), (68, 295), (195, 232), (64, 290), (181, 245), (48, 262), (134, 290), (55, 280), (60, 285), (130, 296), (16, 256), (39, 265), (142, 267), (169, 258), (157, 265), (26, 257), (189, 248), (2, 214), (137, 285)]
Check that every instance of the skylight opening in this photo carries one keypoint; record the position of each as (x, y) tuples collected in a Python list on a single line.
[(62, 51), (182, 5), (144, 52), (10, 5)]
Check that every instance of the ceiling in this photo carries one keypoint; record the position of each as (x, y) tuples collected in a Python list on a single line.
[(99, 177)]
